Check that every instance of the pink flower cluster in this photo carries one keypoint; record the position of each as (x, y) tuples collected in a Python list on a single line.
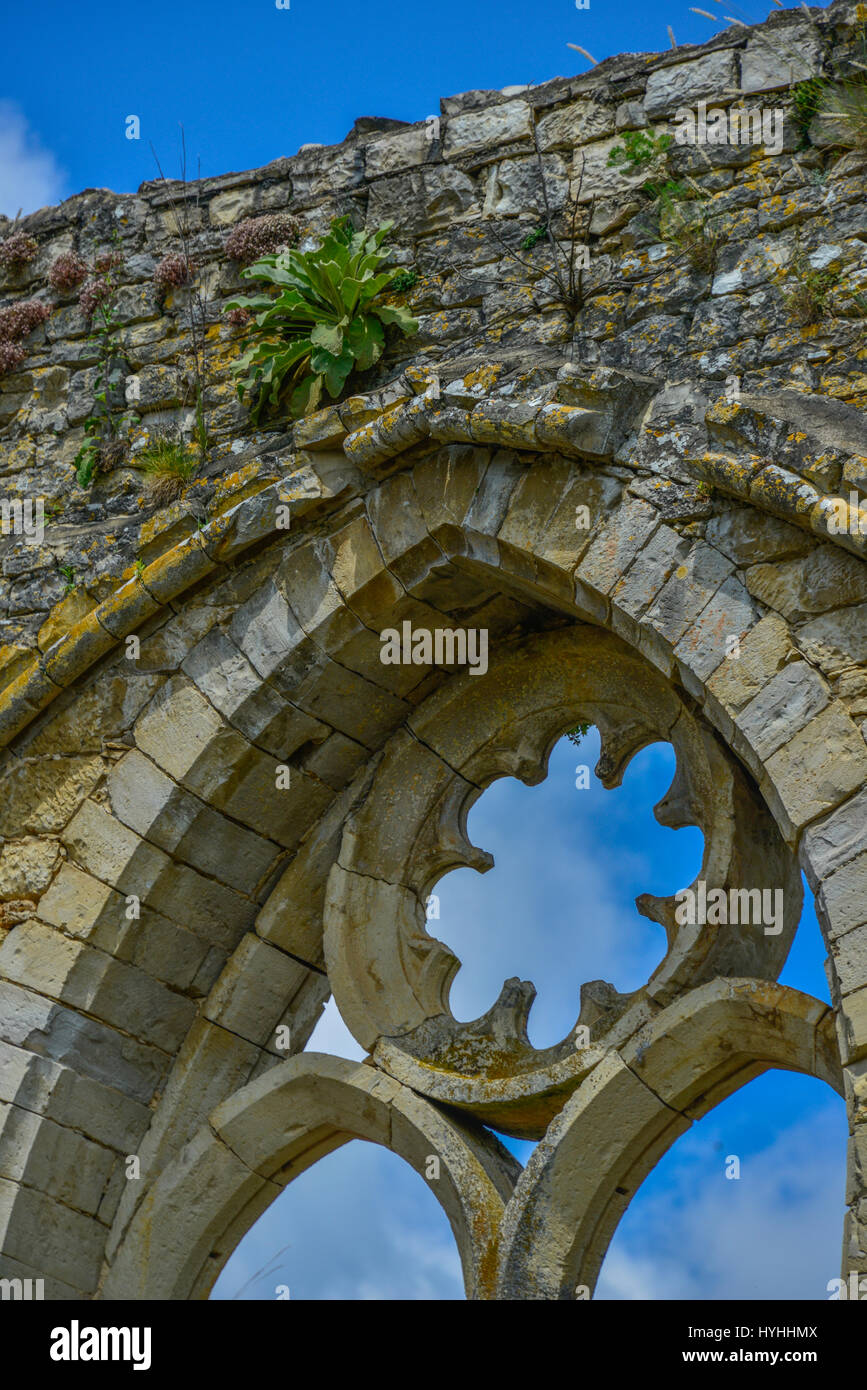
[(262, 236), (173, 271), (17, 249), (10, 355), (16, 321), (67, 271), (93, 293)]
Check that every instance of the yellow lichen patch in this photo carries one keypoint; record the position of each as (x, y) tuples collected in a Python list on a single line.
[(64, 615), (246, 481), (485, 377), (13, 660)]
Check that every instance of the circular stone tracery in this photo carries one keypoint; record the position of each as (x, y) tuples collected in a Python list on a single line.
[(391, 979)]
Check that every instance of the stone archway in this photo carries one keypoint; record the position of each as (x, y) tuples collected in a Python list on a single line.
[(273, 1129), (269, 658), (631, 1109)]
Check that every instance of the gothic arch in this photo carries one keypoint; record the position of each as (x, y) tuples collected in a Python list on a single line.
[(261, 650), (270, 1132)]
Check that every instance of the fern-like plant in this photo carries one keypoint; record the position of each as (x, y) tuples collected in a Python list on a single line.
[(327, 319)]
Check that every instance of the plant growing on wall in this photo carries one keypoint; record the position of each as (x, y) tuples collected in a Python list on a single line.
[(176, 270), (169, 464), (808, 288), (104, 442), (16, 250), (67, 272), (327, 320), (16, 322), (267, 235)]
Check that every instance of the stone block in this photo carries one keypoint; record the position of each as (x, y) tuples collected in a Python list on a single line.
[(787, 702), (684, 84), (822, 765)]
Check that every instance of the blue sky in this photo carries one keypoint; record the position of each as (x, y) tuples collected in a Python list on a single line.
[(558, 908), (252, 82)]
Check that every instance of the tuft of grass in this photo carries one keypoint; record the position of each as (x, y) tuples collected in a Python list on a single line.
[(807, 97), (169, 464), (806, 299), (844, 105)]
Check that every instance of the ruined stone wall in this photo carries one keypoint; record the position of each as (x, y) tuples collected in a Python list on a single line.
[(458, 201), (653, 503)]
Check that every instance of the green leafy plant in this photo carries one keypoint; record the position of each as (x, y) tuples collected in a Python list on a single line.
[(639, 149), (69, 575), (579, 732), (327, 319), (533, 238), (405, 280), (169, 464)]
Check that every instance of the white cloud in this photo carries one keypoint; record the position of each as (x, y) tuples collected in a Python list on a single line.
[(30, 176), (360, 1224), (772, 1233)]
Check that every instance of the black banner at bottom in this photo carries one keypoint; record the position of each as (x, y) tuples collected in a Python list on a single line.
[(82, 1340)]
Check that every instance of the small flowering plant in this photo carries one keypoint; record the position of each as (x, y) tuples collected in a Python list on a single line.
[(262, 236), (16, 322), (173, 271), (67, 272), (16, 250)]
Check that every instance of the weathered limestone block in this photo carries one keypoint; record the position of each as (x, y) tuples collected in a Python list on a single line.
[(622, 538), (836, 839), (787, 702), (74, 973), (798, 589), (730, 614), (84, 907), (699, 575), (56, 1161), (87, 1047), (150, 803), (475, 131), (823, 764), (251, 994), (74, 1256), (683, 84), (42, 797)]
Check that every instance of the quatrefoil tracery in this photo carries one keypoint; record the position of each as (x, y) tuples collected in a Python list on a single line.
[(391, 979)]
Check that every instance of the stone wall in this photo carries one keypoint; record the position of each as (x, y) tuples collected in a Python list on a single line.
[(655, 508)]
